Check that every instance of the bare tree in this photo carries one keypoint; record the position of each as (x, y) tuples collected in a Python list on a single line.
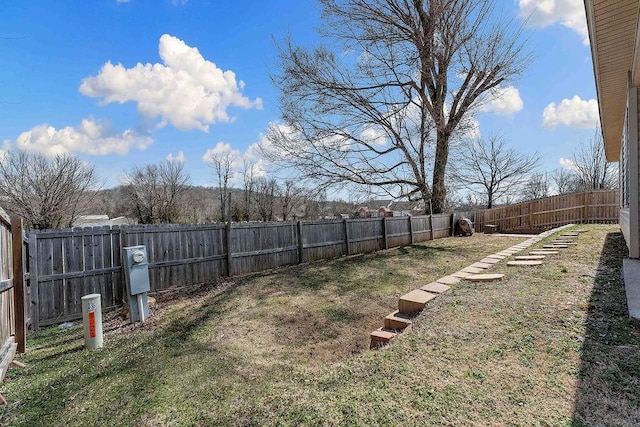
[(565, 181), (591, 168), (536, 187), (154, 192), (45, 192), (383, 110), (291, 198), (265, 198), (249, 182), (492, 170), (222, 165)]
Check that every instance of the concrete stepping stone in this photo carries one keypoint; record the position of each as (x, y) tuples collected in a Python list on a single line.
[(435, 288), (472, 270), (580, 230), (569, 235), (449, 280), (543, 252), (485, 277), (488, 260), (414, 301), (523, 263), (529, 257), (555, 246), (563, 242), (496, 256), (461, 274), (381, 337), (481, 264), (397, 321)]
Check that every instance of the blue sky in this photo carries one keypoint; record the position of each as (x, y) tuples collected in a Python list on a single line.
[(124, 83)]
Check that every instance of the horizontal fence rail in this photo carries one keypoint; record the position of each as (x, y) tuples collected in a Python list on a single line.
[(67, 264), (600, 206)]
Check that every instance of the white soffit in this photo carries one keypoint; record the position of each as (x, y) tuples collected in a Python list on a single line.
[(613, 31)]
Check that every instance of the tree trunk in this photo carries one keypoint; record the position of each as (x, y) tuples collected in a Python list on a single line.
[(439, 191)]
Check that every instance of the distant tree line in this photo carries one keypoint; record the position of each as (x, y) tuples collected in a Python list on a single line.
[(52, 192)]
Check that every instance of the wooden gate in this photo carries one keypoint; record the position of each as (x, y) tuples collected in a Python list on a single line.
[(12, 290)]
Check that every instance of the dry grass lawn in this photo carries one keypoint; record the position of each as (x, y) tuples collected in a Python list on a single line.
[(550, 345)]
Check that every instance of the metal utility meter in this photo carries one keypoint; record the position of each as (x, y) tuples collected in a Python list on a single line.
[(136, 273)]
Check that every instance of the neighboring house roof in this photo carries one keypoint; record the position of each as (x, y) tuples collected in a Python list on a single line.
[(614, 47)]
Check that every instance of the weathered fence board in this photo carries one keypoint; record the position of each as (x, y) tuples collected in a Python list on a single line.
[(9, 277), (598, 206)]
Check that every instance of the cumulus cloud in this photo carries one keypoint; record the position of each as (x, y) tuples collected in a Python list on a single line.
[(503, 100), (374, 136), (177, 158), (186, 90), (567, 163), (4, 148), (543, 13), (91, 137), (571, 112)]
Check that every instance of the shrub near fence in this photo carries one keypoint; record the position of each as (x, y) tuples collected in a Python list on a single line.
[(67, 264)]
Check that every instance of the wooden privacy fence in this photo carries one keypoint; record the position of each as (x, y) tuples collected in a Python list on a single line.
[(67, 264), (13, 305), (599, 206)]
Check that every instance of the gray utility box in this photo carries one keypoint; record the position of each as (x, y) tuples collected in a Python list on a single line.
[(136, 274)]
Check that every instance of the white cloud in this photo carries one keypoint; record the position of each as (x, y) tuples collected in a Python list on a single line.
[(4, 148), (571, 112), (91, 137), (503, 100), (567, 163), (177, 158), (185, 90), (374, 136), (221, 148), (543, 13)]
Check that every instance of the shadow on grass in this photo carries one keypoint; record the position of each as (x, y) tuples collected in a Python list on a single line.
[(130, 375), (608, 391)]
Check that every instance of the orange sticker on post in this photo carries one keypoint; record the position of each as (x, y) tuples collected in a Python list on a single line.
[(92, 324)]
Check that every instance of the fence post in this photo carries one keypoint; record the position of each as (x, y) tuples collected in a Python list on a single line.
[(228, 249), (433, 237), (33, 278), (384, 232), (346, 235), (451, 223), (229, 227), (585, 209), (18, 283), (300, 244), (411, 229)]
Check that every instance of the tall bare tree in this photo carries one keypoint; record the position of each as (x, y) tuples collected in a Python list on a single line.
[(291, 198), (565, 181), (265, 198), (536, 187), (222, 165), (492, 170), (249, 182), (45, 192), (155, 190), (383, 107), (591, 168)]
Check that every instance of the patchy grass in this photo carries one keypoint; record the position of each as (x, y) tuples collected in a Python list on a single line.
[(551, 345)]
